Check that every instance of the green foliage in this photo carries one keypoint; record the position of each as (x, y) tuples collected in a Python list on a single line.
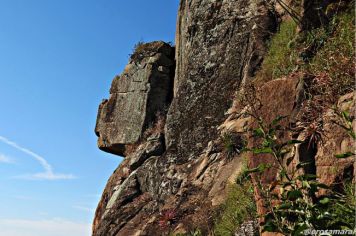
[(349, 189), (232, 144), (281, 57), (239, 206), (299, 207), (245, 174), (347, 120), (269, 144), (327, 53), (344, 155)]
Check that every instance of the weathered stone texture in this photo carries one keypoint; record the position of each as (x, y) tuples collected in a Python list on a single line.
[(127, 201), (182, 168), (285, 97), (331, 170), (219, 44), (136, 96)]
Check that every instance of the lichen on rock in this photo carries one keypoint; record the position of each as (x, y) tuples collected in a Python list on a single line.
[(168, 111), (141, 92), (218, 48)]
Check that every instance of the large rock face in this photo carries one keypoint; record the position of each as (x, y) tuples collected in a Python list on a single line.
[(219, 46), (137, 97), (168, 126)]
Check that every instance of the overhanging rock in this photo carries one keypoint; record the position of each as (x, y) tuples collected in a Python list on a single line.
[(141, 92)]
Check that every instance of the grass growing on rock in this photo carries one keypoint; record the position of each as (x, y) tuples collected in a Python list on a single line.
[(335, 59), (280, 59), (327, 53), (238, 207)]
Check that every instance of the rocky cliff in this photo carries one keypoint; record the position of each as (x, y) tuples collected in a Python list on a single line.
[(169, 110)]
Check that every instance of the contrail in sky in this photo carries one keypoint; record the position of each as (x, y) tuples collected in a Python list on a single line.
[(48, 173)]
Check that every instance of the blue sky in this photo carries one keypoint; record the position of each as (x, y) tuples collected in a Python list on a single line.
[(57, 60)]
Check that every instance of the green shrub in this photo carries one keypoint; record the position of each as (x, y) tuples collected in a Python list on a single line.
[(299, 207), (239, 207), (349, 189)]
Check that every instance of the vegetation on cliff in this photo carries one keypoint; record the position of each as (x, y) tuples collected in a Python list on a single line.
[(323, 58), (238, 208), (327, 52), (180, 170), (294, 201)]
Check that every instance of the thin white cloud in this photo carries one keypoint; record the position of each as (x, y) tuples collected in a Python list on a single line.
[(46, 176), (5, 159), (48, 173), (46, 227)]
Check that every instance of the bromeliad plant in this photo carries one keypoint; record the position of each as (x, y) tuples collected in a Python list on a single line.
[(232, 144), (292, 201), (167, 218)]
